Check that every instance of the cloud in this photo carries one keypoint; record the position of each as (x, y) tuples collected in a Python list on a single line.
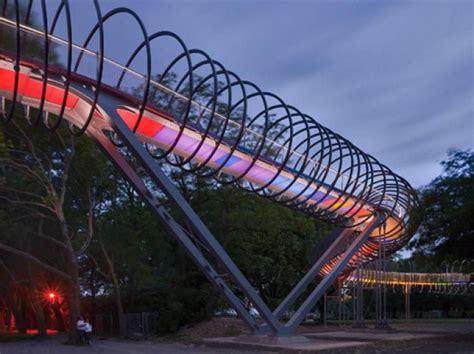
[(396, 78)]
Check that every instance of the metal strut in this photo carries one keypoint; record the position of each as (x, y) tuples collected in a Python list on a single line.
[(329, 279), (312, 273)]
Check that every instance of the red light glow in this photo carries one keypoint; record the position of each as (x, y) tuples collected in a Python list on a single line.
[(51, 295)]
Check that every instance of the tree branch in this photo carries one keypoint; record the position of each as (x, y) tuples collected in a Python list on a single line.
[(14, 190), (32, 148), (67, 164), (25, 202), (90, 225), (27, 169), (99, 270), (35, 261), (49, 238)]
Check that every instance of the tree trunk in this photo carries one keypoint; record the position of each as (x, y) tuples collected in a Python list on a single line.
[(120, 314), (17, 311), (39, 311), (74, 302), (60, 325), (118, 299), (73, 268), (36, 302), (2, 321), (93, 294), (8, 318), (116, 285)]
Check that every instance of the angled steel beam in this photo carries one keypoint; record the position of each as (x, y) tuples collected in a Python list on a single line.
[(109, 105), (312, 273), (174, 228), (313, 298)]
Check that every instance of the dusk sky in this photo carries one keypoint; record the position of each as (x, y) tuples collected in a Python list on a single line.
[(396, 78)]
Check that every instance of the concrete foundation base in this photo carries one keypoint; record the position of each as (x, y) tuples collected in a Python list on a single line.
[(338, 340), (299, 344), (370, 335), (271, 340)]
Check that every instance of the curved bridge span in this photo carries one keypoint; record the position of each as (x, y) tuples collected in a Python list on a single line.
[(193, 113)]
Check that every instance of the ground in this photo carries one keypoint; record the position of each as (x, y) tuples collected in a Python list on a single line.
[(460, 339), (53, 346)]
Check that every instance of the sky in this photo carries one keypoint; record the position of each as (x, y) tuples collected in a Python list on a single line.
[(394, 77)]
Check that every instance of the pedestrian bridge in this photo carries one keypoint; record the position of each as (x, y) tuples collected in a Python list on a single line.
[(179, 106)]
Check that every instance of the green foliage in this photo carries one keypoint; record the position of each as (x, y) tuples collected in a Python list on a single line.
[(271, 244), (447, 228)]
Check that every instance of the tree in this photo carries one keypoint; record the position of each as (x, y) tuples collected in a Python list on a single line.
[(58, 193), (120, 252), (447, 229)]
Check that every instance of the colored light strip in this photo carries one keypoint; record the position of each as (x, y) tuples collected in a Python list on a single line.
[(164, 132), (34, 88), (417, 279)]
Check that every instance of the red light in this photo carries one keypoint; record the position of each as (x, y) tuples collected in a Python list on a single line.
[(51, 295)]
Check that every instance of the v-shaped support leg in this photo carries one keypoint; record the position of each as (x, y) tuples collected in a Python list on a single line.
[(109, 104), (329, 279), (312, 273), (272, 324)]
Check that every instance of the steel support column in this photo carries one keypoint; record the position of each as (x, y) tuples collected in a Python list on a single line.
[(381, 287), (359, 321)]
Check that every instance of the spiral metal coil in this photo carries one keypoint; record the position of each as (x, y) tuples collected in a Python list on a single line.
[(199, 93)]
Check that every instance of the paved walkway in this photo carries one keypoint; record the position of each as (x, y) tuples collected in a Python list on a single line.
[(53, 346)]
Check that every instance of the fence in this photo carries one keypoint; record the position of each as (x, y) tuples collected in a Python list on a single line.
[(139, 325)]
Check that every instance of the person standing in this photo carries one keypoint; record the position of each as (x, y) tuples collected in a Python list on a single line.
[(81, 326), (88, 332)]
